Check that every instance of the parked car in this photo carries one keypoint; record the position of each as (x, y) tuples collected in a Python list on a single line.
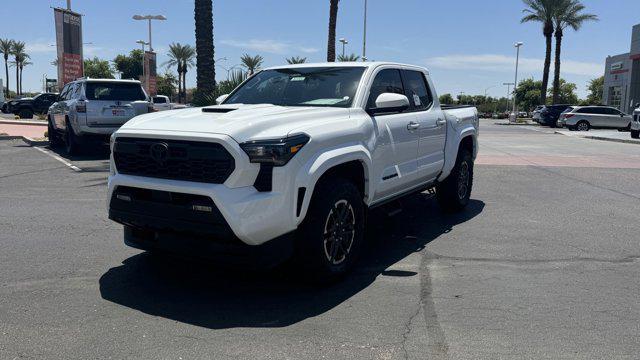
[(289, 164), (550, 113), (583, 118), (25, 108), (635, 124), (90, 110), (535, 115), (161, 103), (4, 107)]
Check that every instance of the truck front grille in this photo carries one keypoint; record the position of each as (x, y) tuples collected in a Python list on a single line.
[(173, 159)]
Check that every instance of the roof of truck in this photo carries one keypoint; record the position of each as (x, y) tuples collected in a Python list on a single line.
[(367, 64)]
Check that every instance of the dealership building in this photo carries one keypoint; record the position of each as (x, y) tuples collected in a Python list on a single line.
[(622, 77)]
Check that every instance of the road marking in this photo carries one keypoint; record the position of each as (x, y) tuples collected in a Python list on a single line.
[(55, 156)]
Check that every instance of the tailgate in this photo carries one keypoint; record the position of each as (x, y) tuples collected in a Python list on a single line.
[(113, 113)]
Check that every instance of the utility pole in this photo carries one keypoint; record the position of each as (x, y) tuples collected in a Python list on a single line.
[(364, 38), (515, 84), (508, 85)]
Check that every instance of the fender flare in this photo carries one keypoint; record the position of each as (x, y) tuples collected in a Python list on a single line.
[(453, 144), (311, 171)]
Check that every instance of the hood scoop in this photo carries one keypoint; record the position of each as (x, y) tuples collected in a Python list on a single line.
[(219, 110)]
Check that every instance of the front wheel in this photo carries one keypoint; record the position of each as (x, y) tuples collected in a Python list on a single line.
[(329, 240), (454, 192), (54, 138), (71, 141), (635, 134), (583, 126), (25, 114)]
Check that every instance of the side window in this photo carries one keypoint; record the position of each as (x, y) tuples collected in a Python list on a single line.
[(609, 111), (63, 93), (387, 80), (159, 100), (417, 90)]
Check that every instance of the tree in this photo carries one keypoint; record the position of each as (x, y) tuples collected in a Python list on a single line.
[(252, 63), (331, 41), (181, 56), (97, 68), (596, 91), (6, 46), (24, 61), (569, 13), (205, 63), (542, 11), (567, 93), (17, 50), (166, 84), (446, 99), (528, 94), (296, 60), (350, 57), (130, 65)]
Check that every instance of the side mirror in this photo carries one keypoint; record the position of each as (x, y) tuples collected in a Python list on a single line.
[(221, 98), (390, 102)]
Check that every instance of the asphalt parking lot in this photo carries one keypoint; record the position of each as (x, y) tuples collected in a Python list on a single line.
[(544, 263)]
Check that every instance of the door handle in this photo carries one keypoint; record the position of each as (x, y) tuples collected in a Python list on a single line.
[(441, 122), (413, 126)]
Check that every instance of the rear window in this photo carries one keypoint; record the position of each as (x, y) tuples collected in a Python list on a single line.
[(159, 100), (112, 91)]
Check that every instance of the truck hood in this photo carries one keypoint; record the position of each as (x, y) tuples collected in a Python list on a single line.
[(241, 122)]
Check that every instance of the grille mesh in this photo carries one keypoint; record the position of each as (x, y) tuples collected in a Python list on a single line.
[(179, 160)]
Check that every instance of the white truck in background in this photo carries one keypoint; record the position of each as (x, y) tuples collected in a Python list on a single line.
[(289, 164)]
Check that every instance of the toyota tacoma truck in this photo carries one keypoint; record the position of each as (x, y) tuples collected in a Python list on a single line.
[(288, 165)]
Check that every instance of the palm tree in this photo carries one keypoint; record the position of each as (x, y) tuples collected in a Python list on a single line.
[(331, 42), (17, 50), (205, 64), (182, 57), (187, 63), (24, 61), (542, 11), (569, 13), (6, 47), (252, 63), (350, 57), (296, 60)]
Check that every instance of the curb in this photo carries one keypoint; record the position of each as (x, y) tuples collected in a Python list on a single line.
[(23, 122), (27, 140), (601, 138)]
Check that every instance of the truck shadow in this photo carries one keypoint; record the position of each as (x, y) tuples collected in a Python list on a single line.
[(206, 296)]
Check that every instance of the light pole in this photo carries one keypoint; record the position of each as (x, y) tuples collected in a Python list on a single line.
[(149, 18), (515, 84), (143, 43), (344, 42), (364, 36), (508, 85)]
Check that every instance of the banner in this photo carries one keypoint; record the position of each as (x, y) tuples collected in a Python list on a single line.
[(149, 72), (69, 45)]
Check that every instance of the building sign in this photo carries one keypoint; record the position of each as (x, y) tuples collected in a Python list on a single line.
[(617, 66), (69, 45), (150, 74)]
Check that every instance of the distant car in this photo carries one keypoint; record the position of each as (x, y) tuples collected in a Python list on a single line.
[(635, 124), (549, 114), (523, 114), (161, 103), (583, 118), (25, 108), (535, 115), (92, 109)]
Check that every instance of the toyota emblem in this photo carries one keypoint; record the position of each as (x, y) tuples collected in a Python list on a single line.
[(159, 153)]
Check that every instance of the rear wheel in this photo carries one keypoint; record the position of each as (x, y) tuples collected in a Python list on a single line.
[(25, 114), (583, 126), (454, 192), (329, 240), (635, 134)]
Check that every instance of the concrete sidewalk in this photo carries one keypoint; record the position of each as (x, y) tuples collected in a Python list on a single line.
[(31, 131), (606, 135)]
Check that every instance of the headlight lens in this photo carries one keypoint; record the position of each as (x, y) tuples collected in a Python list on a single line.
[(277, 151)]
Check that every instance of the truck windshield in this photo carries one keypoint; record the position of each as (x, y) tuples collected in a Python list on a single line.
[(314, 86)]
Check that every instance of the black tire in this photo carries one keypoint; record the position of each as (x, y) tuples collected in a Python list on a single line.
[(583, 125), (454, 192), (328, 242), (635, 134), (71, 140), (25, 114), (54, 138)]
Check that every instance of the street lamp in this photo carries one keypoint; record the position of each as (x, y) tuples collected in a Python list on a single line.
[(344, 42), (149, 18), (514, 115), (143, 43), (364, 34)]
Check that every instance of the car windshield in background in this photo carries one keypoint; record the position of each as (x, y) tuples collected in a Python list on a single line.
[(114, 91), (314, 86)]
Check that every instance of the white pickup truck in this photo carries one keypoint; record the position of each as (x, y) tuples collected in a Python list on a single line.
[(289, 164)]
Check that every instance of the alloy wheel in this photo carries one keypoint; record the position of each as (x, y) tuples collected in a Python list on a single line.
[(463, 180), (339, 232)]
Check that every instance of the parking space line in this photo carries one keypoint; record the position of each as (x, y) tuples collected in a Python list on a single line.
[(55, 156)]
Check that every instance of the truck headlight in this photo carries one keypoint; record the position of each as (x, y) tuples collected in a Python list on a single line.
[(277, 151)]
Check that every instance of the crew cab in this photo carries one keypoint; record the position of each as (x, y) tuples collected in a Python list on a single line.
[(90, 110), (289, 163), (25, 108)]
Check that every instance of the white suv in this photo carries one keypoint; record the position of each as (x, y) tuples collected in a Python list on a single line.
[(92, 109), (290, 163)]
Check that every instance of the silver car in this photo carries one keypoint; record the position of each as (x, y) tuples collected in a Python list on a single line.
[(583, 118), (92, 109)]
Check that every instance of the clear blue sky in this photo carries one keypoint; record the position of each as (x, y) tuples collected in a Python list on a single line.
[(466, 44)]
